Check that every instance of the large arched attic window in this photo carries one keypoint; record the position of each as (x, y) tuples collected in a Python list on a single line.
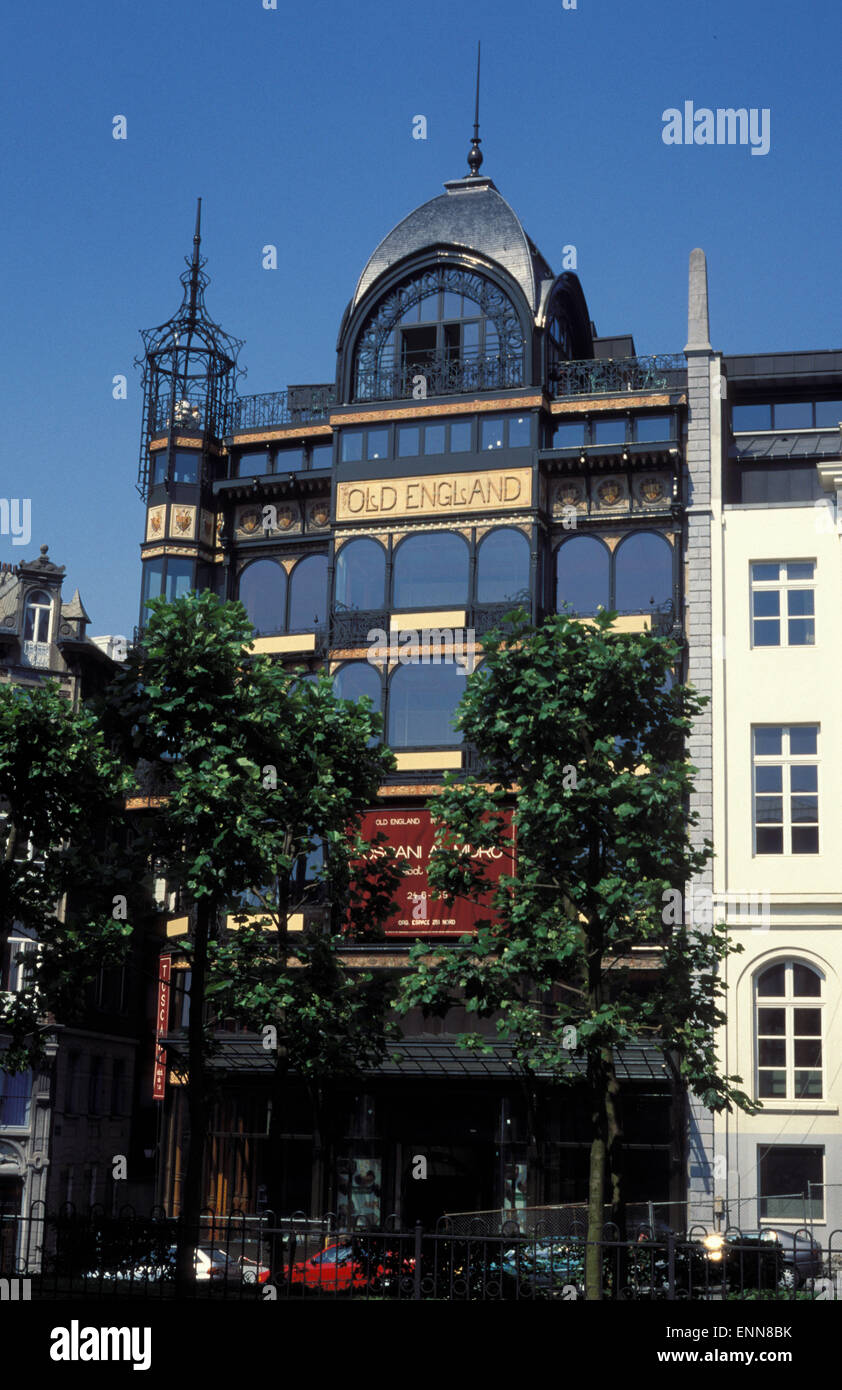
[(452, 327)]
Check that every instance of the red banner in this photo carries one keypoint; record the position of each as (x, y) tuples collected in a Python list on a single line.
[(409, 832), (159, 1074)]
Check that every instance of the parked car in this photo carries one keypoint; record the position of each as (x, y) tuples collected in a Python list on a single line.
[(800, 1255), (349, 1266)]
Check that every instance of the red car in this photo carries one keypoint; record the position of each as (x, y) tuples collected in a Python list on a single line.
[(341, 1268)]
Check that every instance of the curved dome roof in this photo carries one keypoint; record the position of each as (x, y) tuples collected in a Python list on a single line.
[(471, 214)]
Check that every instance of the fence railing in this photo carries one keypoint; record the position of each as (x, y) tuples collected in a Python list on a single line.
[(91, 1255)]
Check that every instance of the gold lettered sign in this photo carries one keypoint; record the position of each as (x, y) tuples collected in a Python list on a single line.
[(495, 489)]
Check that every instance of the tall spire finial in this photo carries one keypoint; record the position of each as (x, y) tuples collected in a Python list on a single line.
[(196, 262), (475, 153)]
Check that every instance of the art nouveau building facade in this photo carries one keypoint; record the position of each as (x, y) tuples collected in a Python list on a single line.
[(480, 446)]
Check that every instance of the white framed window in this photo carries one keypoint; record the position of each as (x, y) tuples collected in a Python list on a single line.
[(37, 615), (783, 599), (788, 1032), (785, 798)]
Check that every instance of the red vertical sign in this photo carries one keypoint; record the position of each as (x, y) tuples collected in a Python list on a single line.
[(159, 1075)]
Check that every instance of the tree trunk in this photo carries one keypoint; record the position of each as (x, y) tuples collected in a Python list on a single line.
[(197, 1099)]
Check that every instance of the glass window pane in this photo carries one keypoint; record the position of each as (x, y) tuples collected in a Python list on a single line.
[(290, 461), (801, 632), (321, 455), (378, 444), (519, 431), (767, 633), (422, 703), (766, 603), (428, 309), (772, 983), (253, 463), (803, 778), (431, 571), (643, 572), (503, 567), (186, 465), (800, 602), (828, 414), (460, 437), (807, 1023), (358, 678), (352, 446), (470, 338), (770, 841), (772, 1022), (570, 433), (451, 306), (263, 588), (805, 840), (801, 569), (179, 579), (751, 417), (158, 466), (609, 431), (768, 741), (761, 573), (806, 983), (771, 1084), (491, 433), (794, 415), (409, 441), (769, 779), (361, 575), (153, 575), (769, 810), (582, 575), (434, 439), (808, 1083), (308, 594), (807, 1052), (771, 1052), (802, 741), (653, 429), (785, 1170)]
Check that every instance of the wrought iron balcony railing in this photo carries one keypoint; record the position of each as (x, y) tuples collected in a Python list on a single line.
[(297, 405), (439, 375), (603, 377)]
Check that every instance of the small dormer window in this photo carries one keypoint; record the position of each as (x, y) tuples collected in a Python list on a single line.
[(37, 617), (36, 625)]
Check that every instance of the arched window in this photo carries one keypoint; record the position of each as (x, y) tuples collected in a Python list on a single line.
[(308, 594), (356, 679), (453, 326), (582, 576), (431, 571), (263, 591), (361, 575), (503, 567), (643, 573), (36, 622), (789, 1031), (422, 703)]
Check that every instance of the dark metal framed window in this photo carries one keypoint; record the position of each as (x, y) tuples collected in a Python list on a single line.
[(785, 415), (454, 328), (431, 570), (790, 1182), (263, 593), (642, 566), (422, 700), (583, 576), (361, 575), (374, 443), (356, 680), (788, 1016), (308, 594), (503, 562), (783, 603), (786, 789)]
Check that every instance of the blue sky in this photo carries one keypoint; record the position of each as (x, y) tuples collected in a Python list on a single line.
[(295, 127)]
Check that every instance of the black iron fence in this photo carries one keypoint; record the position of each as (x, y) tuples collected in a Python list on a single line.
[(92, 1255)]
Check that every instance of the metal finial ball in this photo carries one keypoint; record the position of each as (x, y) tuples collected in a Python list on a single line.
[(475, 157)]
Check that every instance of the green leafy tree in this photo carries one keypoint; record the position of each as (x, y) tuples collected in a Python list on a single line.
[(583, 725), (246, 767), (65, 876)]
